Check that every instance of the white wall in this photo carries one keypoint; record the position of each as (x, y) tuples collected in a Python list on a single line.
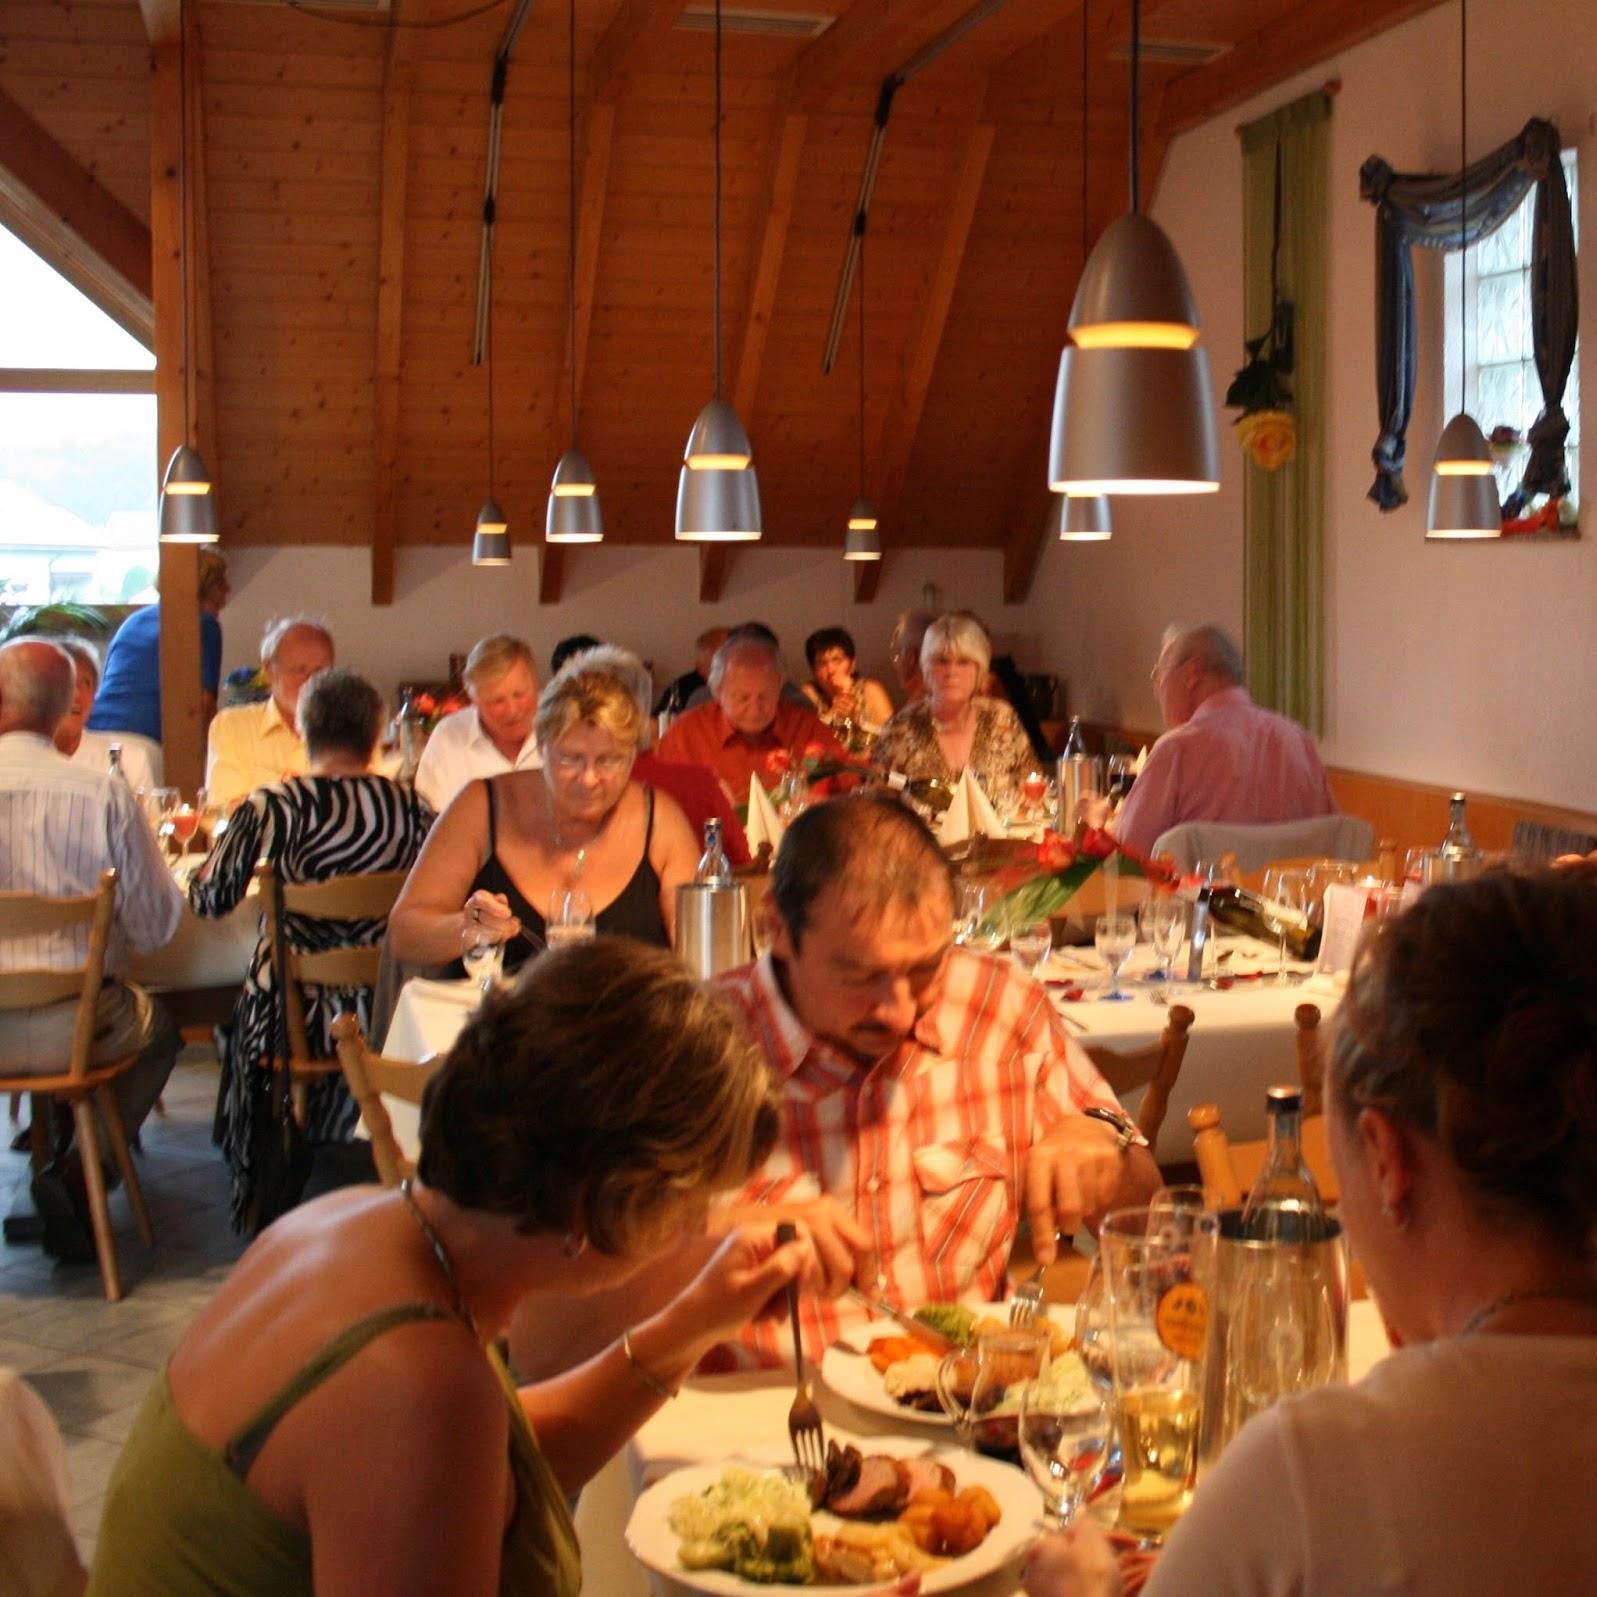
[(1458, 664), (646, 599)]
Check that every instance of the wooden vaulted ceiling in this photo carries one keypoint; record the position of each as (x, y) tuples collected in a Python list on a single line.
[(337, 215)]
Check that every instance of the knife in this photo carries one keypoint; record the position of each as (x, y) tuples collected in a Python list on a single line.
[(919, 1328)]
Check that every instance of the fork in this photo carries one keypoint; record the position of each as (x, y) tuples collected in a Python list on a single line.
[(1025, 1306), (803, 1418)]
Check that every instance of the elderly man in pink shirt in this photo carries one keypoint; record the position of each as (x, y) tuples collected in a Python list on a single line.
[(1224, 758)]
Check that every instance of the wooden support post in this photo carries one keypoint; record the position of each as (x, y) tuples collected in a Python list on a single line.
[(551, 572), (867, 575), (712, 572)]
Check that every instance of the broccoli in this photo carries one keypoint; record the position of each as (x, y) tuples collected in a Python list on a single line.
[(954, 1320)]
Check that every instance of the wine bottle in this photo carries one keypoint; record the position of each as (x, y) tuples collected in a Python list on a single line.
[(715, 869), (1285, 1204), (1458, 844), (931, 795), (1265, 918), (1074, 742)]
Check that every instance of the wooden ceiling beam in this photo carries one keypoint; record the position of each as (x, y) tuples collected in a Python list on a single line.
[(393, 181), (551, 572), (818, 68), (712, 572), (867, 576), (62, 210), (593, 187), (1282, 48), (162, 19), (921, 358), (637, 27)]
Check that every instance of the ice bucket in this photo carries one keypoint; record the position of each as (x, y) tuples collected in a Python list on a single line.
[(1279, 1325), (714, 932), (1080, 776)]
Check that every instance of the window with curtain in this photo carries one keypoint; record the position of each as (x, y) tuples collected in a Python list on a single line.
[(77, 444), (1500, 377)]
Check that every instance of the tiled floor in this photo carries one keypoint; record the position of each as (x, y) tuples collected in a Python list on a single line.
[(92, 1360)]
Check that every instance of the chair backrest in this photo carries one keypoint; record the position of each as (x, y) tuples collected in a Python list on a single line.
[(35, 914), (1535, 843), (1156, 1066), (1311, 1058), (370, 1076), (1229, 1169), (369, 896), (1321, 837)]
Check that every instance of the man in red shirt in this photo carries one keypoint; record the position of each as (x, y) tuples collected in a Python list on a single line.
[(748, 729)]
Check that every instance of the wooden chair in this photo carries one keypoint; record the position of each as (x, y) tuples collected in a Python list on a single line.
[(81, 1085), (1311, 1059), (341, 898), (1156, 1067), (371, 1077)]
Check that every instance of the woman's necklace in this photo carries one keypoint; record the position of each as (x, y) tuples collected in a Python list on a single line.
[(579, 854), (1585, 1297), (435, 1242)]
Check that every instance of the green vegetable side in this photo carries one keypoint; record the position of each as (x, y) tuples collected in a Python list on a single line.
[(954, 1320)]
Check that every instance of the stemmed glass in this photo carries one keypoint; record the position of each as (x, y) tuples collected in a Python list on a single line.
[(570, 917), (975, 930), (184, 822), (1114, 937), (159, 803), (1031, 944), (1167, 930), (1289, 888), (1122, 774), (1065, 1436), (481, 955)]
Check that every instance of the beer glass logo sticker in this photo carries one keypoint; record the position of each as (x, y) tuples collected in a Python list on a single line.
[(1182, 1319)]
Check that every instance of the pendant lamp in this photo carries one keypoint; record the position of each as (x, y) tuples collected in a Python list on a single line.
[(1464, 501), (1134, 404), (573, 515), (718, 495), (861, 540), (187, 511)]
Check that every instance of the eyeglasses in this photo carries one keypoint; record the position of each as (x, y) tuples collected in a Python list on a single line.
[(1160, 672), (566, 763)]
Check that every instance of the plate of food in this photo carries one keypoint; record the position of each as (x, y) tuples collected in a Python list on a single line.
[(885, 1369), (741, 1527)]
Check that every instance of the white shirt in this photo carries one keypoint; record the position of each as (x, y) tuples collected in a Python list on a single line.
[(94, 753), (60, 826), (459, 751), (250, 746)]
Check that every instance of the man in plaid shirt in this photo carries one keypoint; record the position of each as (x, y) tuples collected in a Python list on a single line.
[(930, 1095)]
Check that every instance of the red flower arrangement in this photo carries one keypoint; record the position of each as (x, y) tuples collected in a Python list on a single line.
[(1048, 874)]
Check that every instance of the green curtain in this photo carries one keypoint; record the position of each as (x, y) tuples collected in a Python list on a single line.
[(1283, 511)]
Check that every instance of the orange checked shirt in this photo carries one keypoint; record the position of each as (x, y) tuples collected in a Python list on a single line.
[(927, 1148)]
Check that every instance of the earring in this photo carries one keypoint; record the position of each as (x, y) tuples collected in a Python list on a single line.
[(1396, 1215), (573, 1246)]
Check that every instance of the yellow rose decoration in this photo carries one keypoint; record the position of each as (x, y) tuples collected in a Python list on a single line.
[(1269, 437)]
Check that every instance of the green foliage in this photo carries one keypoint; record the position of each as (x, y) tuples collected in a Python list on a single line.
[(79, 620), (1264, 383)]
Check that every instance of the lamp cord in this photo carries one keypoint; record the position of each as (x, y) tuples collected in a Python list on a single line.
[(1463, 199), (488, 367), (862, 364), (717, 199), (1084, 10), (183, 197), (1136, 115), (571, 206)]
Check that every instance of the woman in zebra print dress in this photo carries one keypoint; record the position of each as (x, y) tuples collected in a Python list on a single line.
[(338, 819)]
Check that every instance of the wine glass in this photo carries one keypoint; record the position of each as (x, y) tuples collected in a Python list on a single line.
[(481, 955), (570, 917), (1031, 944), (1114, 936), (159, 803), (1122, 773), (1034, 789), (184, 822), (1064, 1440), (1289, 888), (1167, 930), (976, 903)]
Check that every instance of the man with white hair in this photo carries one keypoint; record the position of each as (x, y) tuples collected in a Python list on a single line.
[(748, 729), (61, 825), (254, 745), (1224, 758), (493, 734), (93, 749)]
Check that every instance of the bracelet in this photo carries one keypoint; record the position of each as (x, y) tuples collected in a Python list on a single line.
[(647, 1377)]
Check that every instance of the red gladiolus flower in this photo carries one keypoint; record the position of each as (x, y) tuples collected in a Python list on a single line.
[(1097, 843)]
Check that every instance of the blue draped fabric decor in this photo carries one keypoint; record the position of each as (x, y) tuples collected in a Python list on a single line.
[(1438, 211)]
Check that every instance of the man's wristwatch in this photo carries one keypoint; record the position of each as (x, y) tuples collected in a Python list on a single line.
[(1130, 1137)]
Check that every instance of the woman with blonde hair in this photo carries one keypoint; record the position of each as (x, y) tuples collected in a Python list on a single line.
[(510, 845), (337, 1419)]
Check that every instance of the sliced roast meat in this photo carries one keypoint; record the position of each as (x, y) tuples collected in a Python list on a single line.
[(928, 1472), (842, 1467), (882, 1488)]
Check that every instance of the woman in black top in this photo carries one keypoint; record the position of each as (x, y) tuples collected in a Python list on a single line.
[(507, 845)]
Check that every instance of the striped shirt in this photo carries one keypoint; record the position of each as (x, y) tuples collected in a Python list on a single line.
[(927, 1148), (60, 826)]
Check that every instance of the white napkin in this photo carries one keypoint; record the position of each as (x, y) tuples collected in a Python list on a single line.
[(971, 814), (764, 825), (1141, 760)]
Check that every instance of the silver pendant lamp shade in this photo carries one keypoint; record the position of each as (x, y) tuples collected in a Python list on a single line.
[(718, 494), (862, 541), (1084, 518), (573, 518), (573, 478), (1134, 403), (188, 508), (490, 544), (1464, 501)]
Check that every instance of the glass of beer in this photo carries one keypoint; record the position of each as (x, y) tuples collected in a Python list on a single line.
[(1159, 1268)]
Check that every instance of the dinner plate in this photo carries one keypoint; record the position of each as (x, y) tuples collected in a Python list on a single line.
[(653, 1542), (853, 1376)]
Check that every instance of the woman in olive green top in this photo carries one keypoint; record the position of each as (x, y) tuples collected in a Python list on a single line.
[(335, 1420)]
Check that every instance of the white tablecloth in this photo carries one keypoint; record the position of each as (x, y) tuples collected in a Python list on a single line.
[(204, 953), (723, 1416), (426, 1021)]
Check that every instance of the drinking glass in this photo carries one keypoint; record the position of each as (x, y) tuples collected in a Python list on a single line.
[(570, 917), (975, 929), (1122, 773), (159, 802), (1114, 936), (1159, 1270), (1290, 888), (973, 1383), (1031, 944), (1064, 1441), (1167, 929), (1033, 789), (184, 822), (481, 955)]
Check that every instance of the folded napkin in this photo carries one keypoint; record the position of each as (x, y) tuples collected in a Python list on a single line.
[(971, 814), (764, 825)]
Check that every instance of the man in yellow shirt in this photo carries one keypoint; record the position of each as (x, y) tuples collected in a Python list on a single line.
[(253, 745)]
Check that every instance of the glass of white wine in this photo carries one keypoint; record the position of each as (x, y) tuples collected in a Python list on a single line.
[(570, 918), (481, 955), (1031, 944), (1114, 937), (1064, 1440), (1159, 1273)]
